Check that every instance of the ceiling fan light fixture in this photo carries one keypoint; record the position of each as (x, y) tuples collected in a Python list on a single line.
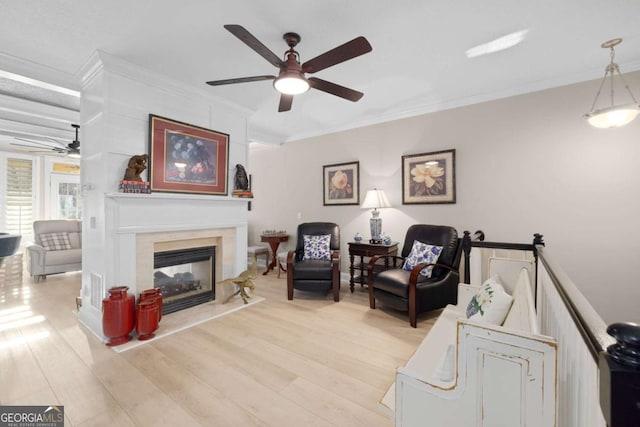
[(615, 115), (291, 83)]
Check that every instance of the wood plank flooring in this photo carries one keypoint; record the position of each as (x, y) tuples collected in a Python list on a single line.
[(306, 362)]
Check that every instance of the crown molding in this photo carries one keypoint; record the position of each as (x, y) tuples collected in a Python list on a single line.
[(400, 112), (100, 61), (37, 71)]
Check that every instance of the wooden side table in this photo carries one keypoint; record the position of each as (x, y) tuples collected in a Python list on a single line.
[(274, 241), (367, 250)]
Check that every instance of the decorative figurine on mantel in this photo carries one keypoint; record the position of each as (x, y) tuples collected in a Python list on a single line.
[(132, 182), (242, 185), (137, 165)]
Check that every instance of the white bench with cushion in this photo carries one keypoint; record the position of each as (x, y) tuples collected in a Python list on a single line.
[(468, 372)]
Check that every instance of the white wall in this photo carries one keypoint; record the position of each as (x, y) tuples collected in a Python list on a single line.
[(526, 164)]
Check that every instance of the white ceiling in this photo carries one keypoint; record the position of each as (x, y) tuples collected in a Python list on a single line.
[(417, 65)]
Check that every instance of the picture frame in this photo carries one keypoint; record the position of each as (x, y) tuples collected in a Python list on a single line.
[(429, 178), (341, 184), (185, 158)]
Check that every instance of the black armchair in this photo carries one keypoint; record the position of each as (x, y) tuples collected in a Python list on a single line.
[(315, 274), (411, 291)]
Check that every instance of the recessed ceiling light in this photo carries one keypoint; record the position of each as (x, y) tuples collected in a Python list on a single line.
[(501, 43)]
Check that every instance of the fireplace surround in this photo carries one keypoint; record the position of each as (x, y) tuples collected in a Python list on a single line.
[(139, 225)]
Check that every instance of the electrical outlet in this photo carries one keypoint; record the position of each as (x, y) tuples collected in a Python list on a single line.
[(299, 215)]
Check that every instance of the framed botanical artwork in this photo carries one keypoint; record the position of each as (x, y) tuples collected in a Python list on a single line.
[(341, 184), (187, 159), (429, 177)]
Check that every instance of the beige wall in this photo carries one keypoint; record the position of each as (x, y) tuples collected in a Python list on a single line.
[(524, 164)]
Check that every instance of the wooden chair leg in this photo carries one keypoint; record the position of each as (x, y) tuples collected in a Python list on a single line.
[(335, 279), (289, 289), (413, 304), (372, 299), (413, 316), (289, 283)]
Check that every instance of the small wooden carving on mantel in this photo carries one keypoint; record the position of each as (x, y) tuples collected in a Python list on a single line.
[(241, 183), (132, 182), (137, 164)]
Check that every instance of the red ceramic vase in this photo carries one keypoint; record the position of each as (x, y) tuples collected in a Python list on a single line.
[(146, 319), (153, 294), (117, 315), (118, 291)]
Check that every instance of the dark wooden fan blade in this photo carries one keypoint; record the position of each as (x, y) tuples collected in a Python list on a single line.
[(35, 143), (40, 150), (239, 80), (255, 44), (24, 145), (54, 141), (335, 89), (285, 103), (356, 47)]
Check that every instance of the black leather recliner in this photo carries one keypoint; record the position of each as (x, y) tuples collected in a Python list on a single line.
[(410, 291), (310, 274)]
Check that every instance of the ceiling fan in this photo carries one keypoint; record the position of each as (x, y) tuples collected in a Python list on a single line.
[(72, 149), (291, 80)]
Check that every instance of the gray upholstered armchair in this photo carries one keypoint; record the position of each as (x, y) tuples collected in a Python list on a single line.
[(319, 270), (408, 290), (57, 248)]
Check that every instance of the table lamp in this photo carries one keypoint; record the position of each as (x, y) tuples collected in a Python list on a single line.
[(375, 199)]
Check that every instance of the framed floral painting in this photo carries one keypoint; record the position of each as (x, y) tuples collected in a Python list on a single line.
[(187, 159), (429, 178), (341, 184)]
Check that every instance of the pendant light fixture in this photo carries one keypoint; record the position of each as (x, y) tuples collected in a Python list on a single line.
[(615, 115)]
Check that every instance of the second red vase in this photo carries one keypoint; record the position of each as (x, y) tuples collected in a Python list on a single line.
[(146, 319)]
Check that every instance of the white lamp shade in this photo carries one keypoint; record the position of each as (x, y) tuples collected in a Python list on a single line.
[(375, 199), (613, 116), (616, 115)]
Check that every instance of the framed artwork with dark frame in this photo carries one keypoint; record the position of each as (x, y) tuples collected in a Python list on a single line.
[(341, 184), (429, 178), (187, 159)]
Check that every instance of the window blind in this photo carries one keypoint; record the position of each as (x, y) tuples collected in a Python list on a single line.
[(19, 203)]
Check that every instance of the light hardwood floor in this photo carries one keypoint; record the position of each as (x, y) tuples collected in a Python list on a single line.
[(306, 362)]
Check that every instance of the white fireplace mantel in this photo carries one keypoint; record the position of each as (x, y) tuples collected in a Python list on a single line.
[(136, 223), (130, 215), (198, 205)]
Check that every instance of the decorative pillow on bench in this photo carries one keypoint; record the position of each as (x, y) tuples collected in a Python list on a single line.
[(55, 241), (317, 247), (491, 304), (422, 252)]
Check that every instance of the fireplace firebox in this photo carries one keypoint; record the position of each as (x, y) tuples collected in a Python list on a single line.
[(186, 277)]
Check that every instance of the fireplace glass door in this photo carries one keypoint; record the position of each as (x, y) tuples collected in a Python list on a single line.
[(186, 277)]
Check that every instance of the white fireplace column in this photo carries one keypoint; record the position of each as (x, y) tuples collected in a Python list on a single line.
[(117, 98)]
